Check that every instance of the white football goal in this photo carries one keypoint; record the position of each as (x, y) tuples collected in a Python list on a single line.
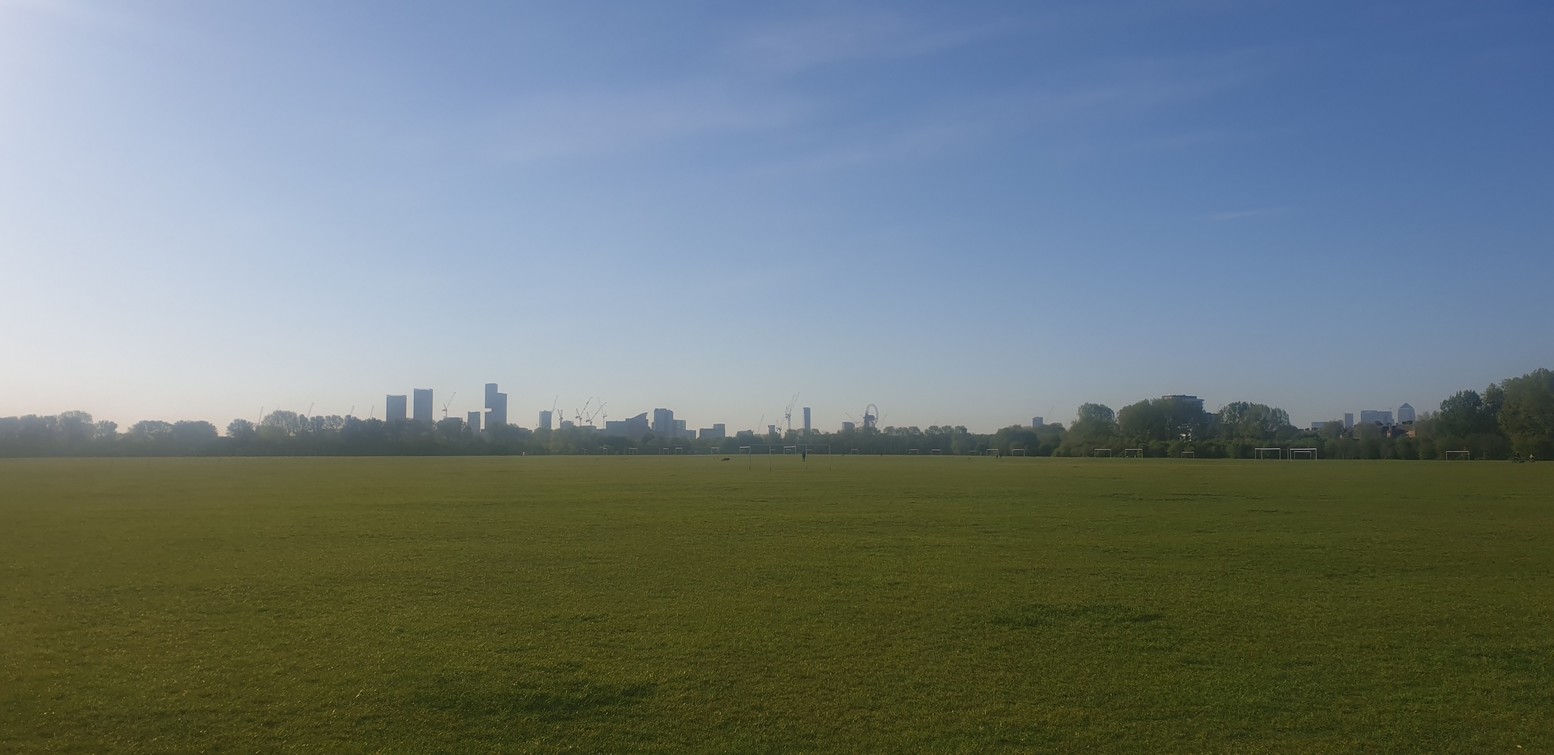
[(1272, 452), (1303, 453), (1459, 455), (1106, 452)]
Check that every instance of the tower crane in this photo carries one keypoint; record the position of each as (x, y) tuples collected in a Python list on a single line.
[(446, 403)]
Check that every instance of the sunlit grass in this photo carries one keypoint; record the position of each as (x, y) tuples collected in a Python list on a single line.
[(841, 604)]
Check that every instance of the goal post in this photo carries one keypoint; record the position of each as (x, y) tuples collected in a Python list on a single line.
[(1102, 452), (1459, 455), (1270, 452), (1132, 453), (1303, 453)]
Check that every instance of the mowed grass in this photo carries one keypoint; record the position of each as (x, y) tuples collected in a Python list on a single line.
[(843, 604)]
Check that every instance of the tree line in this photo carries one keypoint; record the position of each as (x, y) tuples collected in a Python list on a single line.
[(1512, 417)]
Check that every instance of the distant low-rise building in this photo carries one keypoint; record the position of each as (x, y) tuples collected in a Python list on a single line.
[(633, 428), (1381, 417)]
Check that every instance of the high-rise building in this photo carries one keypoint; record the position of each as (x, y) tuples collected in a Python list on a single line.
[(1405, 414), (496, 407), (395, 411), (1348, 420), (421, 407), (716, 432), (545, 417), (1038, 422), (806, 421), (473, 420), (848, 427), (663, 423)]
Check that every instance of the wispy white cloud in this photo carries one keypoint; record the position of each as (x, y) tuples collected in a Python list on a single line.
[(792, 46), (75, 12), (1252, 214), (578, 125), (1116, 94)]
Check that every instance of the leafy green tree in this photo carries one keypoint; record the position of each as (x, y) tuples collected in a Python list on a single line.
[(1527, 413), (1465, 413), (1243, 420), (1095, 426)]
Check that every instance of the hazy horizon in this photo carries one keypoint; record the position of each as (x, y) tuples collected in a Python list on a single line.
[(968, 215)]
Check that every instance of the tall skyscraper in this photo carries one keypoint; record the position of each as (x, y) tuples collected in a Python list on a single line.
[(545, 419), (421, 407), (663, 423), (1348, 420), (1405, 414), (473, 419), (806, 421), (395, 411), (1038, 422), (496, 407)]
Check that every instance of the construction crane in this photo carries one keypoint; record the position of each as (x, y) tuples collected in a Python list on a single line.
[(589, 418), (787, 413), (579, 415), (446, 403)]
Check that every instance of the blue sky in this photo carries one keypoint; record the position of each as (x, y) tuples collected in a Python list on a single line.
[(966, 213)]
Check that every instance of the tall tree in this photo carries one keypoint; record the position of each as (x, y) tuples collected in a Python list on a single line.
[(1527, 414)]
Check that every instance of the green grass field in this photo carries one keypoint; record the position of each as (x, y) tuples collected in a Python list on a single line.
[(844, 604)]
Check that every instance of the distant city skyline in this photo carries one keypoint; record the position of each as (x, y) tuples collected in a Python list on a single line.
[(969, 214), (400, 407)]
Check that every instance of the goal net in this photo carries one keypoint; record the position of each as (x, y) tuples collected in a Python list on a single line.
[(1106, 452), (1303, 453), (1270, 453)]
